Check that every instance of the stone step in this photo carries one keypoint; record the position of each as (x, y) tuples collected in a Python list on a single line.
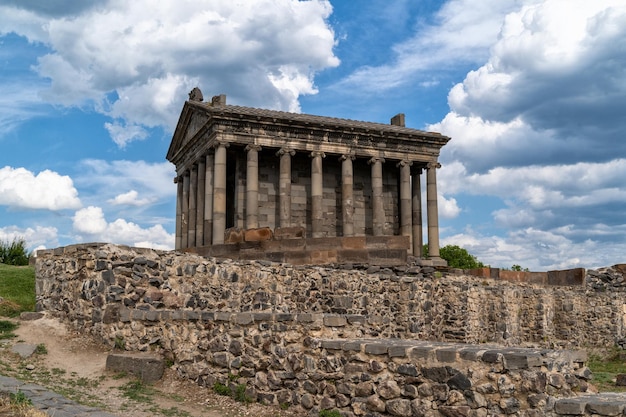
[(147, 367)]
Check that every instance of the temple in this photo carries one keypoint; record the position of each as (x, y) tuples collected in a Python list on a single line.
[(265, 184)]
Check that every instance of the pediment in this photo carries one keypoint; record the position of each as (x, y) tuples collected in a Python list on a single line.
[(191, 121)]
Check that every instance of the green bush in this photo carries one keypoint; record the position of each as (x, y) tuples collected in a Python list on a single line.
[(14, 253), (456, 257)]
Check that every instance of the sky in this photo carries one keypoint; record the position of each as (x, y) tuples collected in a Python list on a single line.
[(532, 93)]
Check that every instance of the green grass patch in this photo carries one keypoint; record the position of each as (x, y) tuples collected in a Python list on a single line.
[(6, 329), (137, 391), (605, 369), (17, 288)]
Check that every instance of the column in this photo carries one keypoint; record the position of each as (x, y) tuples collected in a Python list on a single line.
[(179, 212), (431, 208), (208, 200), (252, 186), (193, 195), (200, 202), (406, 214), (219, 193), (418, 240), (317, 215), (184, 218), (284, 186), (347, 194), (378, 208)]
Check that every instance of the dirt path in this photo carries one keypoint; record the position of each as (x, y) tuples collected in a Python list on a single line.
[(74, 365)]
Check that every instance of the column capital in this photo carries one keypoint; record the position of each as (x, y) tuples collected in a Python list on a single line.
[(349, 156), (404, 163), (315, 154), (432, 165), (375, 159), (284, 151), (219, 143), (252, 147)]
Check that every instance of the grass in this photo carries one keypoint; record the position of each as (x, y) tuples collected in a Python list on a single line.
[(605, 369), (6, 329), (17, 288)]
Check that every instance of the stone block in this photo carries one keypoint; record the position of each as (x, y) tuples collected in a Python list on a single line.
[(298, 257), (387, 242), (292, 232), (574, 276), (233, 235), (606, 407), (352, 256), (353, 242), (259, 234), (334, 321), (570, 406), (146, 366), (323, 256), (387, 257)]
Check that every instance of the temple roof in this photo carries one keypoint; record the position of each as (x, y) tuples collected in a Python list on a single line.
[(202, 123)]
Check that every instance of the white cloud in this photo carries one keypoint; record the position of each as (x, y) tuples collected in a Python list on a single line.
[(130, 198), (20, 188), (462, 32), (37, 237), (109, 177), (90, 220), (91, 225), (151, 54), (554, 72), (123, 134)]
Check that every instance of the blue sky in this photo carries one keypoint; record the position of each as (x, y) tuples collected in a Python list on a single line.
[(532, 93)]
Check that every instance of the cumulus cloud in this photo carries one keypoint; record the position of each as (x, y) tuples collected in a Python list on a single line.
[(537, 127), (130, 198), (20, 188), (555, 84), (91, 225), (135, 61), (38, 237)]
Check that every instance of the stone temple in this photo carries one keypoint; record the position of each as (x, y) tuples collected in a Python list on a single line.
[(302, 189)]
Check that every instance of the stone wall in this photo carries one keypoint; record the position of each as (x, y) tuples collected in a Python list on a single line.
[(344, 337)]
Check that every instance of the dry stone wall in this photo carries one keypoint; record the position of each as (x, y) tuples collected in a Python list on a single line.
[(363, 339)]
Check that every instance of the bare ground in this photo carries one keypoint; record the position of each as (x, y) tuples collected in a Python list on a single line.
[(73, 365)]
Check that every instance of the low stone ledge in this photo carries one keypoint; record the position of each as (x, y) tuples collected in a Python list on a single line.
[(445, 353), (145, 366)]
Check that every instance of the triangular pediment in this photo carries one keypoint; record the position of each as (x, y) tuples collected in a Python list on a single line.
[(191, 121)]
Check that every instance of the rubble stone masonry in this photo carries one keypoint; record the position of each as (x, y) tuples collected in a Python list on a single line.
[(366, 340)]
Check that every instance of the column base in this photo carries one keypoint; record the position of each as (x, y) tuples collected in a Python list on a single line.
[(437, 261)]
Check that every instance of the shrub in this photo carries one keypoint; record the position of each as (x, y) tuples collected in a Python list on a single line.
[(14, 253)]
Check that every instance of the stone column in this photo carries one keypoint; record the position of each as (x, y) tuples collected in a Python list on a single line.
[(378, 208), (200, 202), (406, 214), (219, 193), (208, 201), (418, 240), (347, 194), (184, 218), (179, 213), (252, 186), (284, 186), (317, 194), (431, 207), (193, 195)]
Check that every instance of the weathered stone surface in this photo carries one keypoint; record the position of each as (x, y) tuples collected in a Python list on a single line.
[(275, 327), (147, 367)]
